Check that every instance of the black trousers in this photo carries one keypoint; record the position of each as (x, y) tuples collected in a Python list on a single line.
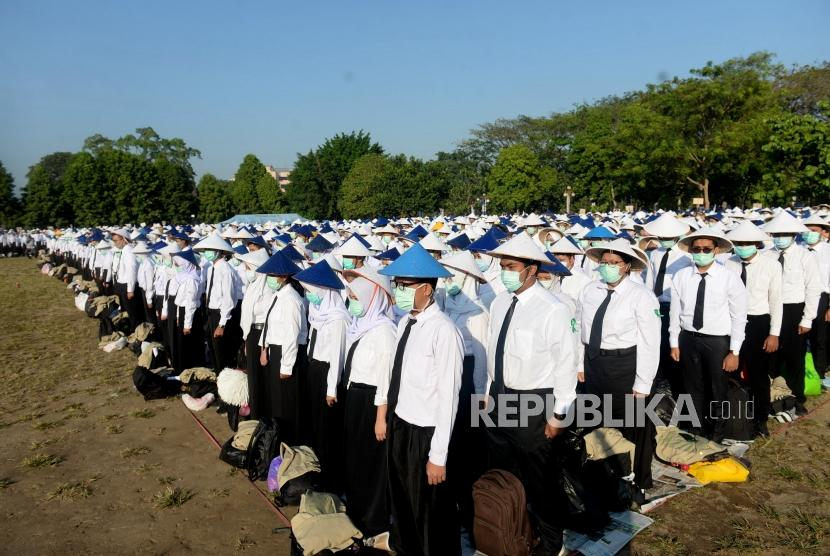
[(792, 347), (468, 449), (224, 349), (615, 375), (704, 378), (758, 364), (366, 476), (326, 425), (424, 517), (191, 347), (535, 461), (268, 394), (134, 306), (669, 369), (819, 336)]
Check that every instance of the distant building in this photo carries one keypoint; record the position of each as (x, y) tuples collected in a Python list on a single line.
[(282, 175)]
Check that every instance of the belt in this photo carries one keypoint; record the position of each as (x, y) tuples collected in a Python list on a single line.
[(701, 335), (617, 352), (258, 325), (213, 310)]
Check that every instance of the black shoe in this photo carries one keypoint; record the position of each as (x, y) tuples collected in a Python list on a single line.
[(800, 410), (761, 430), (222, 408)]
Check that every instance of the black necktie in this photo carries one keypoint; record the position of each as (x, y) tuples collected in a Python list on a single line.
[(210, 287), (312, 342), (661, 274), (265, 327), (697, 321), (395, 381), (743, 273), (781, 258), (595, 341), (347, 368), (498, 378)]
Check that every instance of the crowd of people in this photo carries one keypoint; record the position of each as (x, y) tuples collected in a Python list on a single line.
[(377, 343)]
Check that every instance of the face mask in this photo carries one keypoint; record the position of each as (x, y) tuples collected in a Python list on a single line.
[(139, 259), (453, 289), (273, 283), (511, 280), (313, 298), (315, 255), (531, 230), (811, 238), (584, 243), (179, 269), (386, 240), (782, 242), (292, 235), (250, 275), (703, 259), (745, 251), (548, 245), (209, 255), (610, 273), (547, 284), (597, 243), (168, 263), (236, 262), (405, 298), (355, 308), (348, 263), (667, 243)]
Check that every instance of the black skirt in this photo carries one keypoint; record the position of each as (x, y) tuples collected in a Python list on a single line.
[(326, 424), (191, 348)]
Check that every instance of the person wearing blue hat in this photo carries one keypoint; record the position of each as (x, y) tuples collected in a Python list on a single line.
[(328, 320), (190, 336), (421, 407), (255, 243), (488, 265), (274, 384)]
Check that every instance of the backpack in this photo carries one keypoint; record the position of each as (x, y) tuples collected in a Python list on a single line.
[(153, 386), (738, 424), (501, 526), (298, 473), (264, 447)]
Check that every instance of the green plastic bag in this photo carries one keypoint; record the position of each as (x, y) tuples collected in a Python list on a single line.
[(812, 382)]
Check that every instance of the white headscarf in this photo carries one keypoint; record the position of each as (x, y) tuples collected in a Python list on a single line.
[(189, 270), (467, 300), (376, 309), (331, 309)]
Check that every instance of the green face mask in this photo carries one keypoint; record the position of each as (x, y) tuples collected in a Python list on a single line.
[(547, 284), (667, 243), (179, 269), (531, 230), (168, 263), (209, 255), (273, 283), (745, 251), (386, 239), (236, 262), (313, 298), (348, 263), (610, 273), (405, 298), (703, 259), (584, 243), (511, 279), (453, 289), (811, 238), (356, 308), (548, 245)]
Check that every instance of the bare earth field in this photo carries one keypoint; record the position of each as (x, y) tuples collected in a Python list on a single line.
[(89, 467)]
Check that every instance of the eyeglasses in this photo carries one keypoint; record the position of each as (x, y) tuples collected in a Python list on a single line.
[(706, 250)]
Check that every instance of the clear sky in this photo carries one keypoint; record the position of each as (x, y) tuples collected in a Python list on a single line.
[(275, 78)]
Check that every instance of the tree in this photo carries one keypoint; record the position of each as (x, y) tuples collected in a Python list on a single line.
[(318, 175), (215, 203), (369, 188), (177, 190), (244, 187), (518, 182), (43, 200), (269, 195), (86, 191), (9, 204)]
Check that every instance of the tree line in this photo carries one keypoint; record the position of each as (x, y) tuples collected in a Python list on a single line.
[(742, 131)]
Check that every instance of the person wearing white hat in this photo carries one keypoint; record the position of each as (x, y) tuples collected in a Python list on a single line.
[(190, 336), (802, 293), (223, 302), (620, 331), (532, 352), (125, 277), (101, 264), (145, 274), (762, 277), (566, 252), (708, 323), (815, 240), (353, 253)]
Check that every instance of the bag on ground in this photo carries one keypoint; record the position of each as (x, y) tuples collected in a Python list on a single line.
[(501, 524), (322, 526), (298, 473), (726, 470)]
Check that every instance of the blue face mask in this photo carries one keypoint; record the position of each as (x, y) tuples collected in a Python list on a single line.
[(356, 308), (348, 263), (273, 283), (511, 279), (667, 243), (782, 242), (610, 273), (811, 238), (745, 251), (703, 259), (482, 265), (313, 298)]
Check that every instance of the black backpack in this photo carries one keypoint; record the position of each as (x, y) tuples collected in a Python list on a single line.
[(263, 448), (153, 386), (739, 425)]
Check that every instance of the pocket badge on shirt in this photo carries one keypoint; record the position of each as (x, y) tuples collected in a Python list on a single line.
[(573, 326), (658, 313)]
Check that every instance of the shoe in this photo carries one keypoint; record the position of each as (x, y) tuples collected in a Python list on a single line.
[(800, 410), (761, 430), (222, 408)]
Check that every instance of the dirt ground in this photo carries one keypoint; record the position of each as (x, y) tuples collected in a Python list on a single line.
[(87, 464)]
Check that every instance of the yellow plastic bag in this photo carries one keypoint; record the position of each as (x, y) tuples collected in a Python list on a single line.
[(726, 470)]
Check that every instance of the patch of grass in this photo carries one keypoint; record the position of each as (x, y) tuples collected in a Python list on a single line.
[(112, 416), (219, 493), (132, 452), (768, 511), (48, 425), (143, 414), (788, 473), (145, 468), (5, 482), (41, 460), (167, 480), (243, 542), (172, 497), (115, 428), (71, 491), (38, 444)]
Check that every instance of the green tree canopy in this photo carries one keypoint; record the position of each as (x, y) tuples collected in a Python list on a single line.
[(9, 204), (215, 204), (518, 182)]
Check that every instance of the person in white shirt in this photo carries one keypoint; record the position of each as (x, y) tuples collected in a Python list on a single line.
[(762, 277), (566, 252), (370, 342), (422, 405), (274, 387), (162, 277), (620, 331), (145, 275), (801, 289), (532, 352), (815, 241), (222, 295), (328, 320), (125, 277), (708, 323), (488, 266), (190, 336)]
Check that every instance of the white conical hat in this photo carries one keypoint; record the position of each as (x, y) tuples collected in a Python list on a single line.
[(432, 243), (214, 242), (121, 232), (816, 220), (375, 243), (565, 246), (531, 219), (723, 245), (620, 246), (254, 258), (520, 246), (352, 247), (667, 226), (747, 231), (465, 262), (784, 223), (141, 248), (170, 249), (371, 274)]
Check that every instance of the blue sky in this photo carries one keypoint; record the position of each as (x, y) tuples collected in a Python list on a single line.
[(276, 78)]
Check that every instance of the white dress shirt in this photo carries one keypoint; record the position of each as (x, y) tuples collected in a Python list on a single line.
[(678, 260), (763, 288), (473, 327), (574, 284), (223, 290), (187, 296), (255, 304), (724, 306), (821, 250), (285, 325), (801, 281), (540, 350), (127, 272), (330, 347), (372, 360), (146, 272), (431, 377), (631, 319)]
